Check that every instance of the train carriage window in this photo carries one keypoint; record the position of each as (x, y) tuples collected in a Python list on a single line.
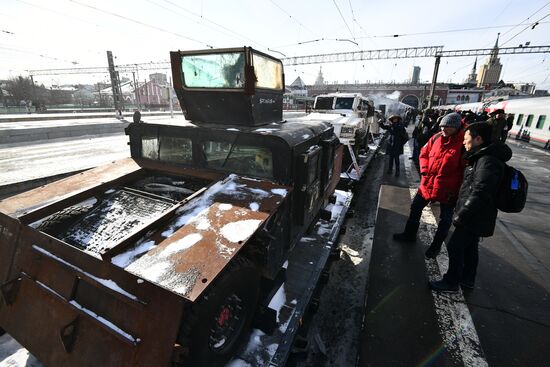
[(520, 119), (529, 120), (540, 121)]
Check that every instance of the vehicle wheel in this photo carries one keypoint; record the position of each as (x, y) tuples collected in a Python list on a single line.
[(2, 332), (218, 321), (60, 221)]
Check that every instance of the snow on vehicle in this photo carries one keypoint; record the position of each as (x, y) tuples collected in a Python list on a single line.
[(171, 256)]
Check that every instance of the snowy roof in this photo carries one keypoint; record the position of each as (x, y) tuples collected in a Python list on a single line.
[(298, 84)]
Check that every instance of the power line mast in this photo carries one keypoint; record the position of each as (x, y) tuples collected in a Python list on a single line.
[(115, 83)]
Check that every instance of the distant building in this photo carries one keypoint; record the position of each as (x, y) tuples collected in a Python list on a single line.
[(320, 80), (503, 93), (461, 96), (295, 96), (528, 88), (158, 78), (472, 78), (489, 73), (415, 75)]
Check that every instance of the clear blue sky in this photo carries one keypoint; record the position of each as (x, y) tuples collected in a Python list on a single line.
[(56, 33)]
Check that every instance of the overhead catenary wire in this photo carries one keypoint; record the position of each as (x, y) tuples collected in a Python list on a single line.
[(526, 19), (343, 19), (201, 16), (142, 23), (291, 17), (532, 26), (8, 48)]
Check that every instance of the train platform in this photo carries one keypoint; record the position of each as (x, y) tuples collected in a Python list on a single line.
[(504, 321)]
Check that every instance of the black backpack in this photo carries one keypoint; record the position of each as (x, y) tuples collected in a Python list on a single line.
[(512, 193)]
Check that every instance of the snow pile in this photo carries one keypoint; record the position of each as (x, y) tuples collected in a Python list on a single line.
[(240, 230), (12, 354), (126, 258), (181, 244)]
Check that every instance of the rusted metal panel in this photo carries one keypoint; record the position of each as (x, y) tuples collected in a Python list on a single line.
[(9, 234), (45, 200), (336, 170), (169, 168), (71, 309), (191, 257)]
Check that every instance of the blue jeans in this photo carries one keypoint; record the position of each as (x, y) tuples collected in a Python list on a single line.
[(463, 249), (445, 216)]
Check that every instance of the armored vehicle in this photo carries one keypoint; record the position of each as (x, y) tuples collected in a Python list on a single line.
[(168, 257)]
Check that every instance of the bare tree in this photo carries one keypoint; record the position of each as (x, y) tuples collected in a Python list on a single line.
[(20, 88)]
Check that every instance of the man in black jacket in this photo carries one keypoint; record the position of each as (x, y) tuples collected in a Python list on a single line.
[(476, 209)]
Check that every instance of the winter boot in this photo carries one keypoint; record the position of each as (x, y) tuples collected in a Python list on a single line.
[(409, 235), (435, 247)]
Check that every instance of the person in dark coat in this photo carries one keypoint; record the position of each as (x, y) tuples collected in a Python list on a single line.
[(441, 170), (476, 208), (422, 133), (398, 137), (498, 122)]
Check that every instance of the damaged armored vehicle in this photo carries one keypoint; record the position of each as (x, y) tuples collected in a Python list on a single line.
[(351, 114), (168, 257)]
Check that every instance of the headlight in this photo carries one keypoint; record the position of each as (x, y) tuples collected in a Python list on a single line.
[(347, 130)]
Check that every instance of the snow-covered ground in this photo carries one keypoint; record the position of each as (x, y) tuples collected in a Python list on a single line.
[(22, 163), (12, 354)]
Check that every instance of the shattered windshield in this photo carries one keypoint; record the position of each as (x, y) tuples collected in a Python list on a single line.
[(269, 73), (323, 103), (214, 70), (344, 103), (168, 149), (243, 159)]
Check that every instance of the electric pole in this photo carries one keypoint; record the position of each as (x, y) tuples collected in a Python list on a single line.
[(115, 82)]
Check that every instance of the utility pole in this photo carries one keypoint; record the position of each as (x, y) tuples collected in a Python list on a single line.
[(434, 81), (136, 90), (115, 82), (170, 98), (146, 92), (33, 97)]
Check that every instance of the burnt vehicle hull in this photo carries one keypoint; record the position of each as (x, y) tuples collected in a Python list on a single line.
[(168, 257)]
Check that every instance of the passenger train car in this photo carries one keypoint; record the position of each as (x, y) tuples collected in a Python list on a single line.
[(531, 117)]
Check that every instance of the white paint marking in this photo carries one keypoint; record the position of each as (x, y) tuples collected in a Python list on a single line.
[(454, 320)]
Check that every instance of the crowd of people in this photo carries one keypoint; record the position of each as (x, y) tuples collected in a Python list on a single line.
[(461, 160)]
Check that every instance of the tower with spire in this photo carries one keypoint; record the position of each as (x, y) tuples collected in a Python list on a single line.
[(320, 80), (489, 74), (472, 78)]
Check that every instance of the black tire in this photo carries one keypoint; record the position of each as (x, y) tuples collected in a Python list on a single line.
[(60, 221), (217, 323), (2, 332)]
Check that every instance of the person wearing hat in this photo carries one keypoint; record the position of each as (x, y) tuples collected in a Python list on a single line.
[(398, 137), (441, 170), (497, 121)]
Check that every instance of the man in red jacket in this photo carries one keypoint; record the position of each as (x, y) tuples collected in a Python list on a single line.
[(442, 169)]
